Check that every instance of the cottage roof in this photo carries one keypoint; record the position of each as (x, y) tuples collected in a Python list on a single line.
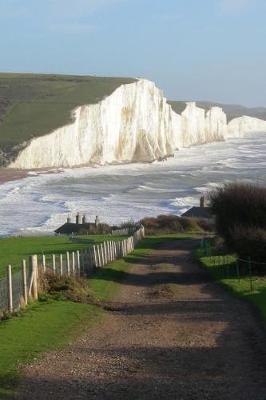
[(198, 212)]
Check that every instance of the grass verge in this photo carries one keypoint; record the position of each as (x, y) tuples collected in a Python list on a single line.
[(252, 289), (42, 327)]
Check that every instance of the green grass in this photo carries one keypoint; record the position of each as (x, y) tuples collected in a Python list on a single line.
[(14, 249), (222, 269), (45, 326), (38, 104)]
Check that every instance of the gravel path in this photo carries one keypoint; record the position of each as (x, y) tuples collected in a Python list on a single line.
[(170, 334)]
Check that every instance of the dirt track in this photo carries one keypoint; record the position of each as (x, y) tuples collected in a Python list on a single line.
[(171, 334)]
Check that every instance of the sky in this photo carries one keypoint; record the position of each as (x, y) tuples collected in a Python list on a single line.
[(193, 49)]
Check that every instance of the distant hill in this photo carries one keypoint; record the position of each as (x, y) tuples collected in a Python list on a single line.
[(32, 105), (232, 110)]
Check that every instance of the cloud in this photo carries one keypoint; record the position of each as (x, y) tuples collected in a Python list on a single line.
[(234, 6)]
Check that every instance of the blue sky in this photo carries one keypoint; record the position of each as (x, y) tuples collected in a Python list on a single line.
[(193, 49)]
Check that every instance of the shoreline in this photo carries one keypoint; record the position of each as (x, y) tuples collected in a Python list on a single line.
[(7, 175)]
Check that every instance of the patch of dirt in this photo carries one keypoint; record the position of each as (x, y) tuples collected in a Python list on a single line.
[(170, 334)]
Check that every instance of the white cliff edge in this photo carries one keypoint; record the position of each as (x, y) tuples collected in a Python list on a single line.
[(134, 124)]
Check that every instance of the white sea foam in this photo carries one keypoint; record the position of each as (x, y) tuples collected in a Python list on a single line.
[(40, 203)]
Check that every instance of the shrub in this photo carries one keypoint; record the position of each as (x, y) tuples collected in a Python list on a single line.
[(250, 242), (190, 224), (172, 224), (238, 204), (240, 211), (65, 287)]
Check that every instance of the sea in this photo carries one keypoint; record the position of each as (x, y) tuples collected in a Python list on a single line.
[(41, 202)]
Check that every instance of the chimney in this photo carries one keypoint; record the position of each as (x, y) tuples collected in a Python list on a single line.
[(84, 219), (97, 221), (68, 220), (78, 219), (202, 201)]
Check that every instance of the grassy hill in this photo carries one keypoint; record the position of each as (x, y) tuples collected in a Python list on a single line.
[(32, 105), (232, 110)]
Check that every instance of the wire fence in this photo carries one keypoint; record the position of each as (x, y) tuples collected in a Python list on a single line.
[(17, 287), (231, 266)]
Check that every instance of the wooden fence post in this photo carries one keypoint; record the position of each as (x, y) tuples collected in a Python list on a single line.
[(61, 264), (95, 256), (78, 262), (99, 256), (9, 288), (24, 282), (105, 252), (113, 249), (109, 251), (53, 262), (68, 263), (82, 259), (73, 263), (34, 271), (102, 254), (43, 263)]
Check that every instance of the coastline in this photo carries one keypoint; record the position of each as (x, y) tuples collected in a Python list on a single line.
[(7, 175)]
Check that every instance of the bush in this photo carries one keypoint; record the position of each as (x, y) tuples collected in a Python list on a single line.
[(238, 205), (165, 224), (240, 211), (190, 224), (250, 242), (65, 287)]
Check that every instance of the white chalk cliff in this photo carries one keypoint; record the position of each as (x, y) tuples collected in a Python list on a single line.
[(239, 127), (135, 123)]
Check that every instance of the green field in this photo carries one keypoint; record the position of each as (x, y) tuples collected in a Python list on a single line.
[(252, 288), (14, 249), (33, 105)]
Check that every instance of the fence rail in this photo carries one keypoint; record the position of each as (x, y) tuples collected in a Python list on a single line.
[(225, 266), (18, 287)]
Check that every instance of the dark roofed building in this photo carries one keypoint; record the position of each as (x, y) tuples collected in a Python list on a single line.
[(82, 227), (201, 212), (198, 212)]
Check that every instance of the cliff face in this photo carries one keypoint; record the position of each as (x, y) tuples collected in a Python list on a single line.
[(199, 127), (238, 127), (134, 124)]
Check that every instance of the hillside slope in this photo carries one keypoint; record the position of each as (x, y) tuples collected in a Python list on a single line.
[(33, 105)]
